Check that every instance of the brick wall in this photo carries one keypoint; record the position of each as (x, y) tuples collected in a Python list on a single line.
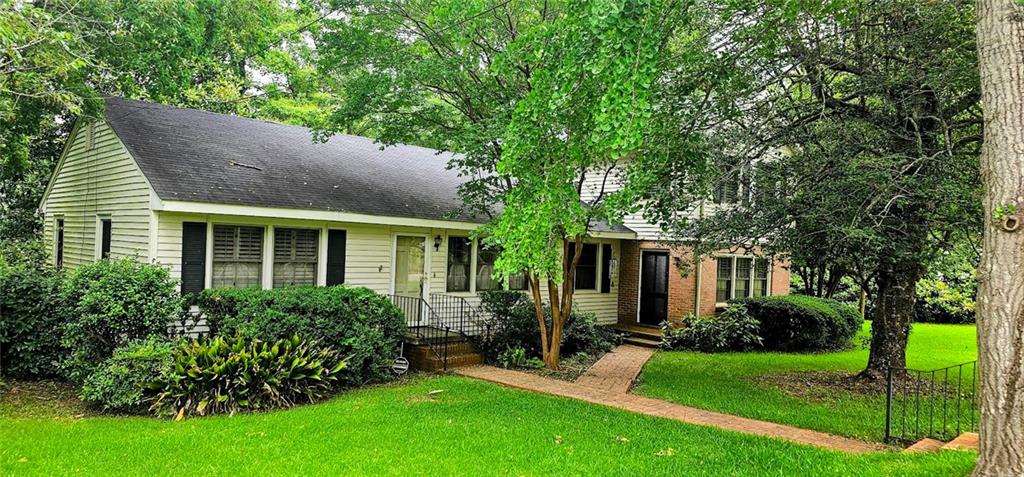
[(682, 281)]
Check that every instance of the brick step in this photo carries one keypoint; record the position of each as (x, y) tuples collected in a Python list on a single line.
[(422, 357), (965, 441), (925, 445), (642, 341)]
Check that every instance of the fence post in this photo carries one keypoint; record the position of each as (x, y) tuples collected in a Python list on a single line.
[(888, 404)]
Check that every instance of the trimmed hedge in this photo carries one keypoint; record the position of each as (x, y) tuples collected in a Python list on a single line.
[(803, 323), (732, 330), (365, 327)]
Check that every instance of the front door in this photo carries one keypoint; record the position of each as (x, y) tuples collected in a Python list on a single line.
[(653, 287), (410, 265)]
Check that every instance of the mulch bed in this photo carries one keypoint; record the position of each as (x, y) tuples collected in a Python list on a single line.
[(41, 399), (570, 369)]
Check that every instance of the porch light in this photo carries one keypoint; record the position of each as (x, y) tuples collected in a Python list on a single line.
[(437, 243)]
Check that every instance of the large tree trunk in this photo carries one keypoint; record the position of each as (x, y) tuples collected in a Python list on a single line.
[(894, 310), (1001, 275)]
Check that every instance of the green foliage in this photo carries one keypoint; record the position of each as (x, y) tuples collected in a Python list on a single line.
[(362, 325), (110, 304), (124, 382), (512, 321), (229, 375), (516, 358), (803, 323), (731, 330), (938, 302), (31, 315)]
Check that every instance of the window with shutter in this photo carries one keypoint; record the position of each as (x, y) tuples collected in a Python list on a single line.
[(105, 228), (586, 267), (295, 257), (237, 256)]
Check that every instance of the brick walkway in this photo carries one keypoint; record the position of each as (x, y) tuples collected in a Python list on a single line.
[(617, 370), (609, 379)]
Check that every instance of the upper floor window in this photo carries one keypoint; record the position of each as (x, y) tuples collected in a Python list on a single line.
[(733, 185), (237, 256), (295, 256)]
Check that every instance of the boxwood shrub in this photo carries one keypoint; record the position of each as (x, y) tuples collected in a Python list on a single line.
[(803, 323), (125, 381), (365, 327)]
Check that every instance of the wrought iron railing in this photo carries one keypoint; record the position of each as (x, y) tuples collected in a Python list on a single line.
[(939, 403), (441, 321)]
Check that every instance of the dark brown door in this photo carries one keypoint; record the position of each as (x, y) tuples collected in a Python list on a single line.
[(653, 288)]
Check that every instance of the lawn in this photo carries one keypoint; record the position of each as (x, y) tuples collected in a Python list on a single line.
[(734, 383), (425, 426)]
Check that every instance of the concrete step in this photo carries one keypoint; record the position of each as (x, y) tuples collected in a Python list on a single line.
[(642, 341), (925, 445), (965, 441)]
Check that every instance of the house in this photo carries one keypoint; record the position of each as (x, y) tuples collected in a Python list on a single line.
[(224, 201)]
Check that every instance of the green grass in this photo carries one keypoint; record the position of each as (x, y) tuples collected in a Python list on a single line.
[(470, 428), (728, 382)]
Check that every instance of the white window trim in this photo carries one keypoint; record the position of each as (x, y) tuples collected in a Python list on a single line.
[(321, 243), (56, 237), (267, 254), (98, 236), (732, 278), (474, 254)]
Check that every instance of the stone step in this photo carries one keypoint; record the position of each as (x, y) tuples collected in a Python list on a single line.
[(641, 341), (925, 445), (965, 441)]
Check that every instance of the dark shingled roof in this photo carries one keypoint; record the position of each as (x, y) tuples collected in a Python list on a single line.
[(199, 156)]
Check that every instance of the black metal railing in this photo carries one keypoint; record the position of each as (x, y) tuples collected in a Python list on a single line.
[(441, 321), (938, 403)]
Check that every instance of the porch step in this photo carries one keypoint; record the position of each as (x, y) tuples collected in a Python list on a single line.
[(422, 358), (642, 341), (965, 441), (925, 445)]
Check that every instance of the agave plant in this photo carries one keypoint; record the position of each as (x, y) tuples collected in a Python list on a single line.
[(229, 375)]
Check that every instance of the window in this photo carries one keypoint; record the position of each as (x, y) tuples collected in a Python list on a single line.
[(741, 277), (295, 255), (237, 256), (732, 185), (761, 277), (58, 256), (724, 289), (105, 238), (485, 258), (460, 255), (586, 267)]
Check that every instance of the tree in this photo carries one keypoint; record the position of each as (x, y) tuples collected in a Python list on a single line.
[(535, 96), (1001, 276), (859, 146)]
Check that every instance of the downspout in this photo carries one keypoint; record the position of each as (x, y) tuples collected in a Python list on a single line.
[(697, 264)]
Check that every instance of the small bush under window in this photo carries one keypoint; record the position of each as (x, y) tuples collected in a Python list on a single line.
[(124, 382), (803, 323), (732, 330)]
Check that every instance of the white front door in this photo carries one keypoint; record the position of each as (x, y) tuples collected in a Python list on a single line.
[(410, 273)]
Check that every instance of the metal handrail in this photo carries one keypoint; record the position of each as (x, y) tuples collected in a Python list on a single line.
[(939, 403), (445, 315)]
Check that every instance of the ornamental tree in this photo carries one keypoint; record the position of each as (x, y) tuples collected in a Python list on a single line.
[(536, 96)]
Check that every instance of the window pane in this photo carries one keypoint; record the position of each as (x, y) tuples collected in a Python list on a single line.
[(237, 256), (724, 288), (744, 271), (761, 277), (295, 256), (485, 258), (586, 268), (459, 252)]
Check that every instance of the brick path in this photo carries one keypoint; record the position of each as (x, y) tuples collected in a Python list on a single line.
[(617, 370), (609, 379)]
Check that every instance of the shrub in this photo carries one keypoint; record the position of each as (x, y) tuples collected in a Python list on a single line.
[(516, 358), (112, 303), (359, 323), (124, 381), (512, 321), (803, 323), (938, 302), (30, 311), (229, 375), (732, 330)]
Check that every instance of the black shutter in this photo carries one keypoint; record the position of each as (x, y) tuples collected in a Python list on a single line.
[(335, 257), (105, 239), (193, 257), (606, 266)]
